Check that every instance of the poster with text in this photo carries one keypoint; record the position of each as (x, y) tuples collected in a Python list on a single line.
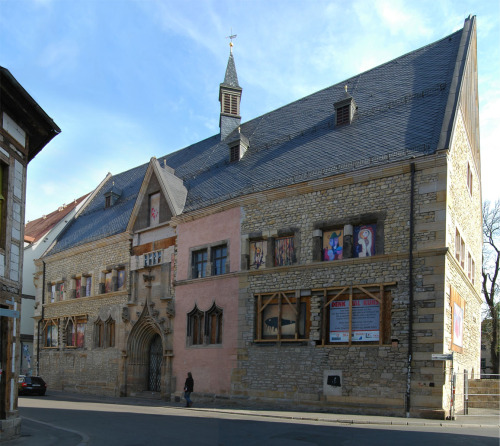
[(365, 320)]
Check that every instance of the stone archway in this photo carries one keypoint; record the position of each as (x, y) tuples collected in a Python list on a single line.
[(145, 347)]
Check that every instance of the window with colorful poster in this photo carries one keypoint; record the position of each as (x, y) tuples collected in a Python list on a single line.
[(80, 333), (88, 286), (154, 209), (108, 282), (51, 330), (284, 251), (121, 279), (333, 242), (282, 315), (365, 321), (364, 240), (78, 284), (258, 254)]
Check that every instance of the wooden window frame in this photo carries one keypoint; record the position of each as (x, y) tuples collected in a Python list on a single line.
[(343, 115), (53, 322), (213, 325), (199, 267), (196, 327), (379, 292), (291, 301), (293, 248), (217, 257)]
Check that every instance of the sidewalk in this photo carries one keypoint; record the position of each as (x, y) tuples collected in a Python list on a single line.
[(35, 433)]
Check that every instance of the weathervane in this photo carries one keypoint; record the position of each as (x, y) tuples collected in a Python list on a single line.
[(231, 37)]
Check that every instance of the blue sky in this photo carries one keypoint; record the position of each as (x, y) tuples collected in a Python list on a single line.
[(126, 80)]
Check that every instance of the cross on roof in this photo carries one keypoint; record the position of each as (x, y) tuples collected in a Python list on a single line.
[(231, 37)]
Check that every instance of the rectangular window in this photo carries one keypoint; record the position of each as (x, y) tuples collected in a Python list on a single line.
[(469, 178), (333, 242), (473, 272), (342, 115), (88, 286), (364, 240), (284, 251), (282, 316), (154, 209), (258, 254), (462, 253), (78, 285), (80, 333), (234, 154), (199, 263), (121, 280), (469, 266), (219, 257), (152, 258), (53, 293), (108, 282), (458, 242), (51, 329), (70, 334), (356, 315)]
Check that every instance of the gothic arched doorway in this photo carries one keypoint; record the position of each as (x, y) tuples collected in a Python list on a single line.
[(155, 360)]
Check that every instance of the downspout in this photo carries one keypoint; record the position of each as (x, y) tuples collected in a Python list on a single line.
[(410, 285), (39, 322)]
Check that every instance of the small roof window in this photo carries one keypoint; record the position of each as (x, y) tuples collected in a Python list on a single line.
[(344, 109)]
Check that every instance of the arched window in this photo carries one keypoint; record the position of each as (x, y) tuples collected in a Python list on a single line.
[(110, 332), (195, 326), (99, 333), (214, 325)]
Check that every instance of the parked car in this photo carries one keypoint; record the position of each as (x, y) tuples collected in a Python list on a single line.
[(31, 385)]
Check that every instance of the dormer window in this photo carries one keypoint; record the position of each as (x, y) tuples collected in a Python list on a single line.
[(342, 114), (344, 109), (238, 145), (234, 154), (111, 196)]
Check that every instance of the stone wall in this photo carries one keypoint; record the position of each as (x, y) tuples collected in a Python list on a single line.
[(372, 375), (90, 369)]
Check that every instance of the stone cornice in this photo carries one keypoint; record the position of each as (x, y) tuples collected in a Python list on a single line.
[(321, 265)]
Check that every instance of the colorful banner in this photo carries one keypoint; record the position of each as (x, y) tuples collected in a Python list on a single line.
[(365, 320)]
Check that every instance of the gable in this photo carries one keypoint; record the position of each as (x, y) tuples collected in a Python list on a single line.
[(149, 197)]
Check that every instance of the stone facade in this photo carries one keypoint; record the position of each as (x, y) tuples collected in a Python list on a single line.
[(88, 368)]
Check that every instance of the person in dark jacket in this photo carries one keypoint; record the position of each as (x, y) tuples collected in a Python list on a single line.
[(188, 388)]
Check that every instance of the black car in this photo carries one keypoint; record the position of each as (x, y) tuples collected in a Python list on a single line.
[(31, 385)]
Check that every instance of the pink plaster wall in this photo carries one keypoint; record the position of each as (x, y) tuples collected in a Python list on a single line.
[(211, 366), (211, 229)]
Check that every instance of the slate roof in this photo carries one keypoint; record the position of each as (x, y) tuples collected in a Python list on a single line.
[(35, 229), (401, 107)]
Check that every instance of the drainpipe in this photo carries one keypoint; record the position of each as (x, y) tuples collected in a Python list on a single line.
[(39, 322), (410, 284)]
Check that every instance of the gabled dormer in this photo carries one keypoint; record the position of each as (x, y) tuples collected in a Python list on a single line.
[(345, 109), (161, 197), (229, 98), (238, 145), (111, 195)]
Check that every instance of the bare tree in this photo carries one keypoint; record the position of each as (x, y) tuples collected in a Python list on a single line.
[(490, 273)]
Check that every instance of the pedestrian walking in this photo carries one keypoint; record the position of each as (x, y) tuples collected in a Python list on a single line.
[(188, 388)]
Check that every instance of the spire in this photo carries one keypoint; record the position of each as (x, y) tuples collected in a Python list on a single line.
[(229, 96)]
